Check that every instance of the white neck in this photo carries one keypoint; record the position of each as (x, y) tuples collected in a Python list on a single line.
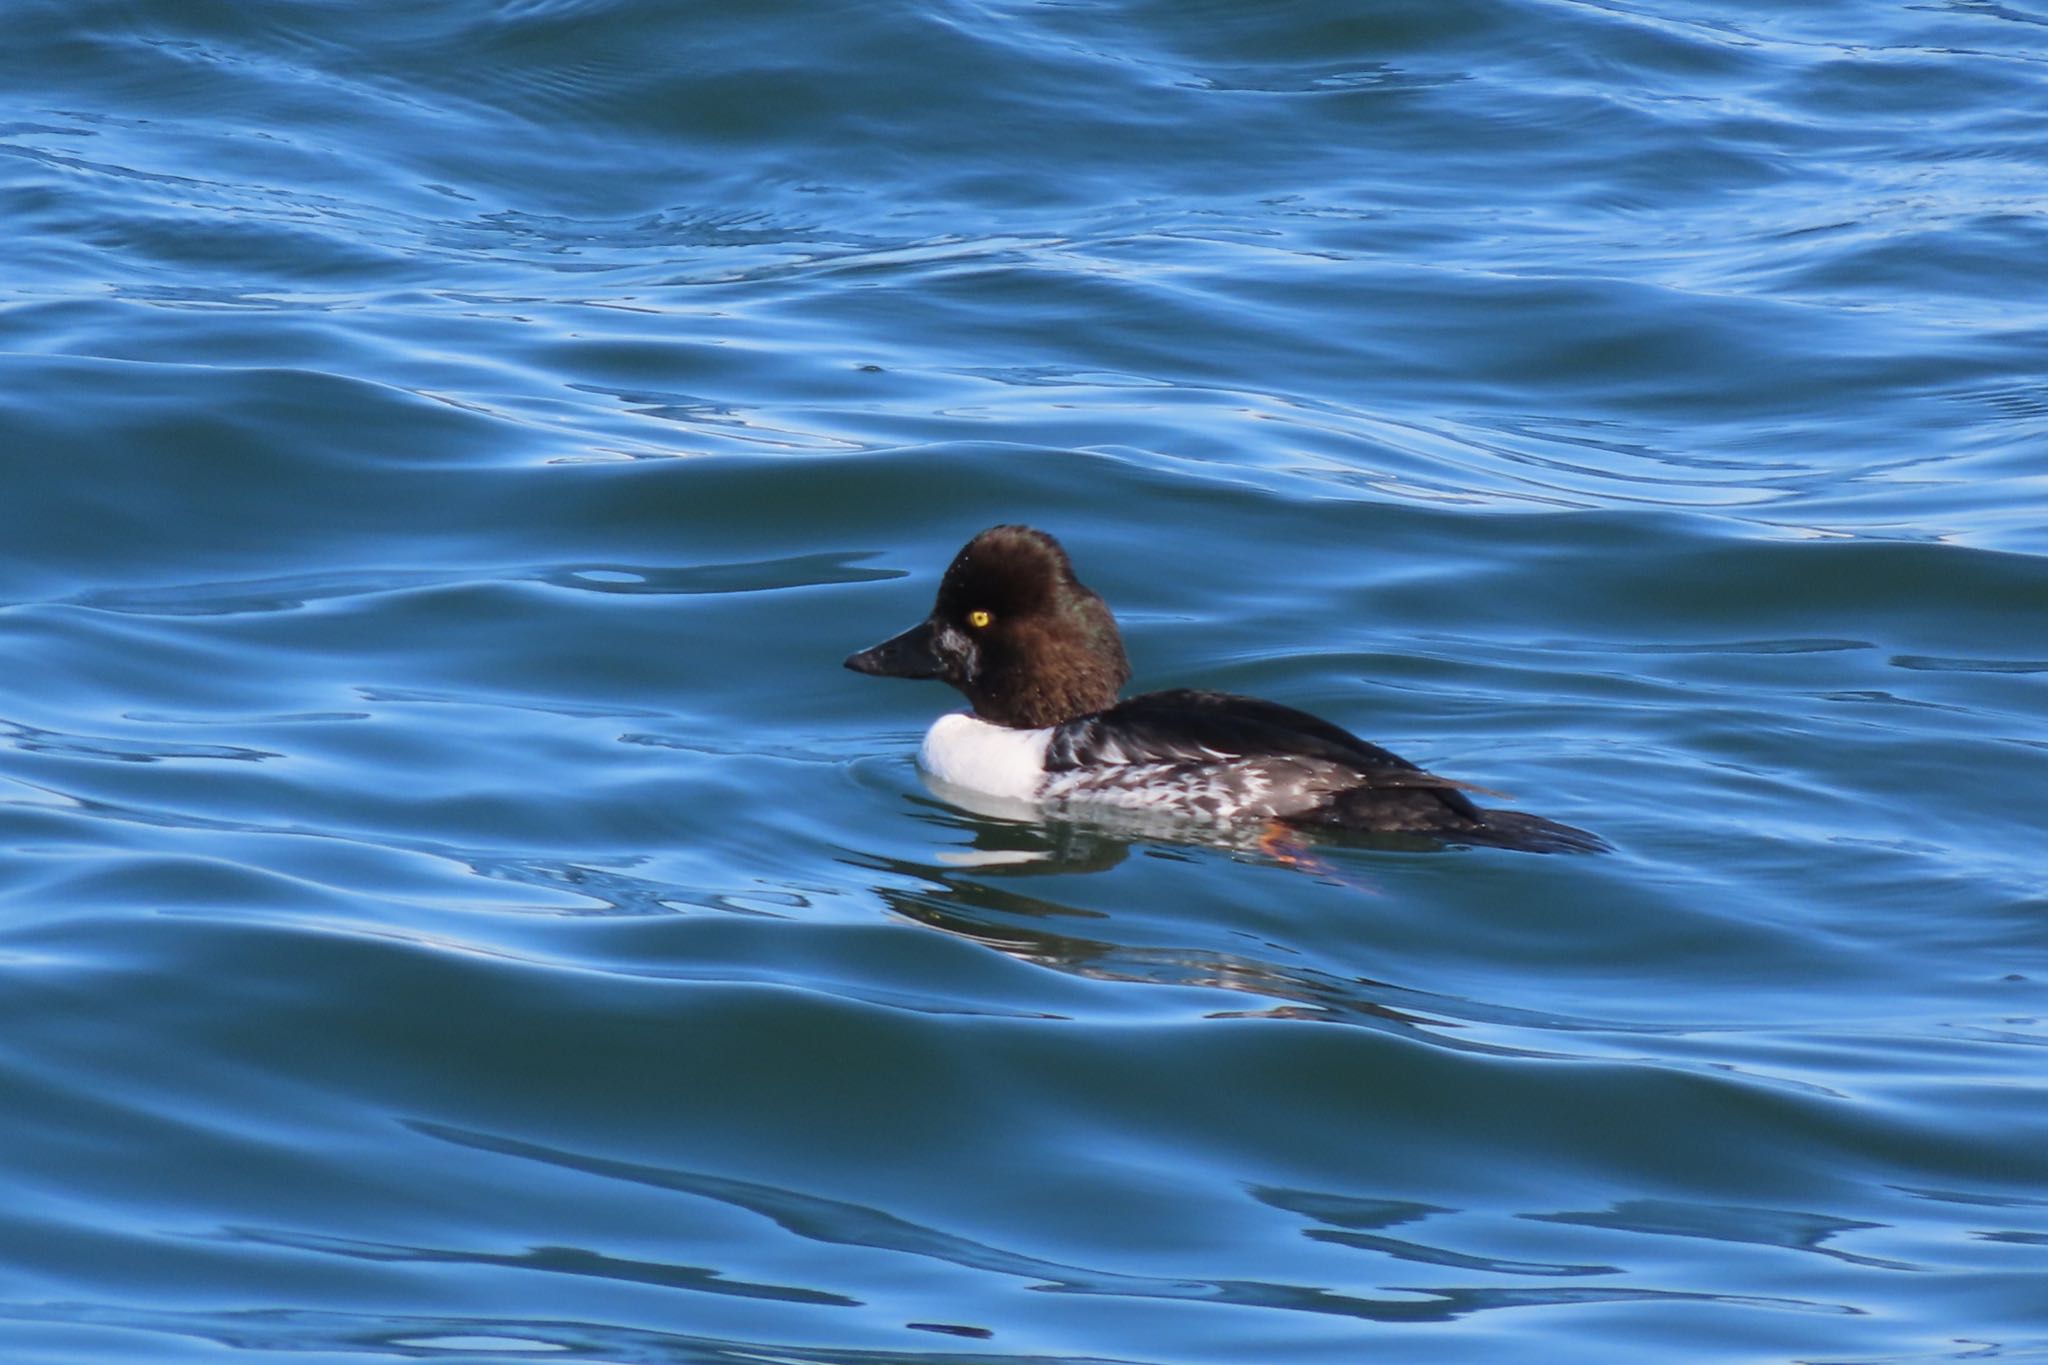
[(968, 751)]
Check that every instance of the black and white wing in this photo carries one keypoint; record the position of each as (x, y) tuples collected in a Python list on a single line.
[(1239, 755)]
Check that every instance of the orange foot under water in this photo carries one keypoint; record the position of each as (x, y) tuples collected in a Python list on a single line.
[(1283, 844)]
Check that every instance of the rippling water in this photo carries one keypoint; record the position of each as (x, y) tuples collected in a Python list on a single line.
[(456, 907)]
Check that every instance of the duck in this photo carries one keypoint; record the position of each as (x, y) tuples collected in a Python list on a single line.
[(1040, 660)]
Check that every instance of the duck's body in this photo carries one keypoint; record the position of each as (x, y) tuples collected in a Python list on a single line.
[(1039, 656)]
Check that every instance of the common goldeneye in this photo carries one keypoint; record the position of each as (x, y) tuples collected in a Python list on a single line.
[(1039, 657)]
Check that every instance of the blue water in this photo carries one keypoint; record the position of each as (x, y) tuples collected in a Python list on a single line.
[(457, 908)]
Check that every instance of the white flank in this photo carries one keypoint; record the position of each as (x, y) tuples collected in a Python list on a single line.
[(967, 751)]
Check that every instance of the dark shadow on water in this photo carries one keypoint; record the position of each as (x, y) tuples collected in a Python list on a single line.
[(34, 740), (1792, 1230), (978, 894), (1017, 924), (837, 1222), (1360, 1223), (407, 1336), (981, 892), (979, 900), (553, 1260), (293, 592)]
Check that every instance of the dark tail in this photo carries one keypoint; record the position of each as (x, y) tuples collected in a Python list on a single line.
[(1436, 814), (1529, 833)]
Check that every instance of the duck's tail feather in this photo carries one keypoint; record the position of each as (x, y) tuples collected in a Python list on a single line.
[(1529, 833), (1428, 812)]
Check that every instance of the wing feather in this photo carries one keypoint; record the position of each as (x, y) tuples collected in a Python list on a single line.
[(1185, 726)]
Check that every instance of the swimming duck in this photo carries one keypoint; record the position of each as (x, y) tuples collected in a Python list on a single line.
[(1041, 662)]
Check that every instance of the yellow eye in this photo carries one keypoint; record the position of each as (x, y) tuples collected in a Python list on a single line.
[(978, 619)]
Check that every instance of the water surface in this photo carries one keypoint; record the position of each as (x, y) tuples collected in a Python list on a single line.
[(456, 907)]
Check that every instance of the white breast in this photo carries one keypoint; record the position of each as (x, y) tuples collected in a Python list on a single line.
[(967, 751)]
